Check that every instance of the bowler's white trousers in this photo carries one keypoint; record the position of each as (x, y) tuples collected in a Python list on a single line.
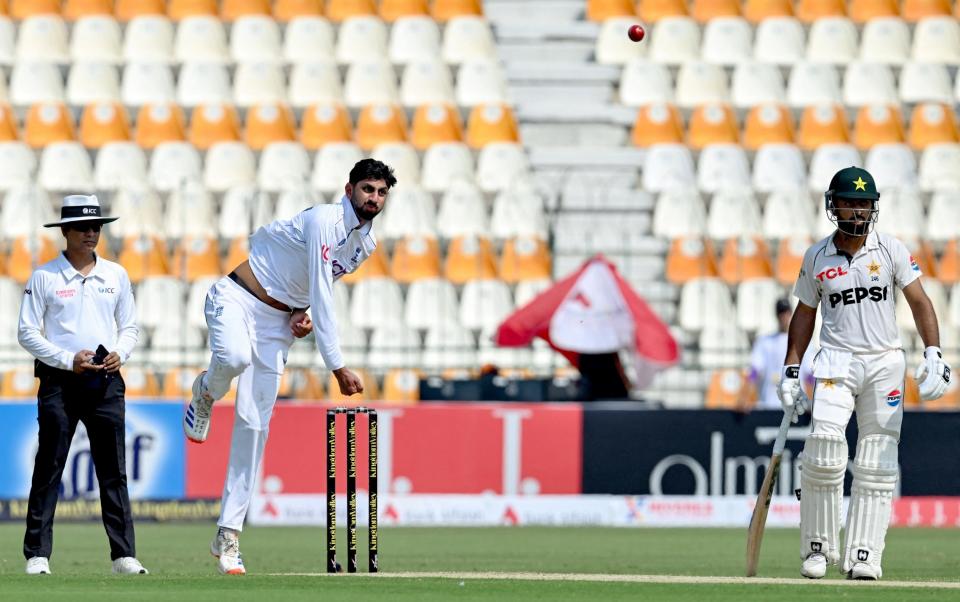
[(249, 339)]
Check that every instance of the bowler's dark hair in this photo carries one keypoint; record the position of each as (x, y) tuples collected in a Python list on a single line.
[(371, 169)]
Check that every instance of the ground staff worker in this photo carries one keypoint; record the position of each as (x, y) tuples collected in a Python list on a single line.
[(71, 306)]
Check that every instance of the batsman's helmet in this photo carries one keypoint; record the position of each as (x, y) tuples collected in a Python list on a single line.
[(853, 183)]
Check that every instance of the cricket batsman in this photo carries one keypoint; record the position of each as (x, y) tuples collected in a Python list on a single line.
[(851, 275), (253, 315)]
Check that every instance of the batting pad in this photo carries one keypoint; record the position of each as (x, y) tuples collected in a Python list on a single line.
[(824, 464), (875, 472)]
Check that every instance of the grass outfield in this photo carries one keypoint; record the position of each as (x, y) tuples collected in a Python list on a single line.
[(183, 569)]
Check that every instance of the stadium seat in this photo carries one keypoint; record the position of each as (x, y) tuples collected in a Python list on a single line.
[(723, 345), (480, 82), (8, 34), (813, 84), (412, 38), (651, 11), (23, 9), (92, 82), (120, 165), (936, 40), (142, 210), (943, 226), (190, 211), (159, 123), (201, 39), (779, 40), (308, 39), (235, 10), (395, 10), (370, 83), (484, 303), (8, 124), (469, 258), (143, 257), (722, 166), (644, 83), (140, 383), (17, 165), (445, 10), (727, 40), (237, 252), (96, 39), (368, 28), (877, 124), (268, 123), (885, 40), (379, 124), (524, 258), (333, 162), (325, 124), (341, 10), (518, 213), (179, 10), (228, 164), (47, 123), (668, 167), (755, 297), (690, 257), (869, 83), (779, 167), (26, 253), (146, 84), (789, 259), (466, 39), (173, 164), (767, 124), (925, 82), (42, 39), (444, 164), (758, 11), (894, 165), (25, 209), (935, 291), (916, 10), (822, 124), (725, 389), (675, 40), (255, 39), (374, 267), (393, 346), (707, 11), (733, 213), (258, 84), (213, 123), (402, 158), (426, 83), (129, 10), (827, 160), (756, 83), (292, 202), (401, 386), (948, 268), (940, 167), (501, 165), (448, 346), (289, 10), (712, 124), (376, 301), (832, 40), (314, 83), (283, 166), (490, 124), (371, 390), (104, 122), (242, 210), (614, 48), (196, 257), (415, 258), (810, 11), (160, 301), (704, 301), (863, 11), (743, 259), (701, 83), (32, 83), (903, 217), (657, 123), (19, 383), (149, 39), (462, 212), (410, 212)]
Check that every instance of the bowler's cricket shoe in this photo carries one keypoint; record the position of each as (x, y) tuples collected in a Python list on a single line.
[(814, 566), (226, 548), (38, 565), (863, 571), (196, 420), (128, 565)]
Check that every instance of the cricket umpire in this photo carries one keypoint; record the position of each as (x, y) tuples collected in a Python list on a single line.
[(74, 305)]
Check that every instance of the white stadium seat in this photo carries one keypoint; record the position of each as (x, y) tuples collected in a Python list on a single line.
[(925, 82), (65, 167), (149, 39), (96, 39), (885, 40), (431, 302), (308, 39), (17, 165), (445, 163), (332, 164), (32, 83), (462, 211), (255, 39), (892, 166), (733, 213), (426, 82), (142, 212), (779, 40), (284, 165), (675, 40), (832, 40), (484, 304), (937, 40), (940, 167), (172, 164), (643, 83), (228, 164), (92, 82), (402, 158), (413, 39), (409, 212), (449, 346), (42, 38), (827, 160), (727, 41), (813, 84), (723, 167), (701, 83), (258, 84), (501, 165), (901, 213), (190, 211), (943, 217), (147, 83), (201, 39), (615, 48), (668, 167), (25, 210), (779, 167), (756, 83), (480, 82), (370, 83), (373, 33), (704, 301), (203, 84), (120, 165), (376, 302), (8, 34), (679, 213), (869, 84), (788, 214), (314, 83), (466, 39), (393, 346), (243, 210)]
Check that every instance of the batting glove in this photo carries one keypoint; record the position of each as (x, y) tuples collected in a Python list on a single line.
[(792, 397), (932, 375)]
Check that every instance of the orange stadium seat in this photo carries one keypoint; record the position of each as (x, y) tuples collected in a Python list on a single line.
[(789, 259), (103, 246), (21, 9), (323, 124), (932, 123), (178, 381), (371, 390), (375, 266), (712, 124), (491, 123), (524, 258), (27, 253), (914, 10), (181, 9), (948, 268), (296, 383), (104, 122), (809, 11), (862, 11), (401, 386), (877, 124), (230, 10), (144, 256), (125, 10), (822, 124), (689, 258), (469, 258), (601, 10), (379, 124), (745, 258), (47, 123), (724, 389), (651, 11), (767, 124), (19, 382), (338, 10), (756, 11), (210, 124), (286, 10), (237, 252), (391, 10), (196, 257), (76, 9), (705, 10), (657, 124), (8, 124), (435, 124), (140, 382), (415, 258), (159, 123), (444, 10), (268, 123)]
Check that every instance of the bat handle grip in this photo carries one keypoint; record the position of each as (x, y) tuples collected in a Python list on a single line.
[(782, 433)]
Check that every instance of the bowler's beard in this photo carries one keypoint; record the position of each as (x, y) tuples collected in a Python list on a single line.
[(362, 211)]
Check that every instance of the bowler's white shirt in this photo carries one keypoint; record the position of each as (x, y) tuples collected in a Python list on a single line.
[(297, 260), (64, 312)]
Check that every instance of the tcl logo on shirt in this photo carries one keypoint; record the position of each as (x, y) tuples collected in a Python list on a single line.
[(851, 296), (831, 273)]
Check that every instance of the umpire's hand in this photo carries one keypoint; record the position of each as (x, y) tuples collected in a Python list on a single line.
[(111, 363), (81, 361)]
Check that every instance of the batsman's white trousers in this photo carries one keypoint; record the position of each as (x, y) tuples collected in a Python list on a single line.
[(249, 339)]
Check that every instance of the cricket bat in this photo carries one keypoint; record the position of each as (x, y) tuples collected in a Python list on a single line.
[(759, 519)]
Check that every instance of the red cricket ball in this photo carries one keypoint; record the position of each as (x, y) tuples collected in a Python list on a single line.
[(636, 33)]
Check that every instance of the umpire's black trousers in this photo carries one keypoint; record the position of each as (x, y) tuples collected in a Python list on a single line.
[(64, 399)]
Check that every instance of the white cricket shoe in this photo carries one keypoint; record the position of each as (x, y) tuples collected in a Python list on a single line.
[(814, 566), (128, 565), (38, 565), (196, 419), (864, 572), (226, 548)]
